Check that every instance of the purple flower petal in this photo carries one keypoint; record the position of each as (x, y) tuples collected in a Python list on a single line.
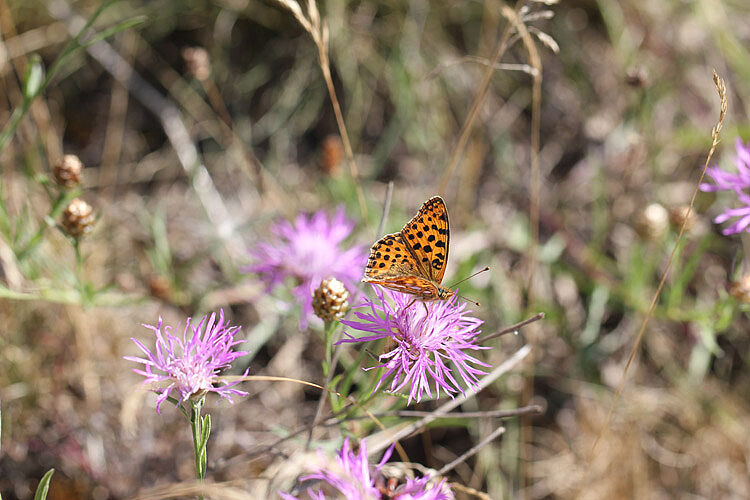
[(307, 252), (427, 336), (193, 361)]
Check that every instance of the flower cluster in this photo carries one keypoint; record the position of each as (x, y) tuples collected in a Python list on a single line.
[(307, 252), (727, 181), (427, 335), (190, 363), (352, 478)]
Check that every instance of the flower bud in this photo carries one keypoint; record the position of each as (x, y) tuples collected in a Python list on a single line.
[(330, 300), (78, 218), (67, 172)]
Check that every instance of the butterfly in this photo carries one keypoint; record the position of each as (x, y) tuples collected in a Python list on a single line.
[(413, 260)]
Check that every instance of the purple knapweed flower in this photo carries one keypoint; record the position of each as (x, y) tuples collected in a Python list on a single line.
[(428, 336), (190, 363), (352, 478), (307, 252), (727, 181)]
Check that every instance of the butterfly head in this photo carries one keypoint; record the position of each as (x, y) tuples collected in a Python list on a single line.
[(445, 293)]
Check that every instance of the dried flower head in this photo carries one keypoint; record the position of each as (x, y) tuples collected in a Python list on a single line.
[(352, 478), (652, 221), (330, 300), (428, 336), (305, 253), (197, 62), (67, 172), (190, 363), (726, 181), (78, 218)]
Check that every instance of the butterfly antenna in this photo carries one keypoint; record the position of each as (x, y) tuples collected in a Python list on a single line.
[(468, 278), (469, 300)]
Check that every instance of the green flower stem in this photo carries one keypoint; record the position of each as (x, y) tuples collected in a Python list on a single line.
[(201, 427)]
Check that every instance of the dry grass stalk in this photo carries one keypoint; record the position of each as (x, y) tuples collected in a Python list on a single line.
[(722, 92), (319, 32)]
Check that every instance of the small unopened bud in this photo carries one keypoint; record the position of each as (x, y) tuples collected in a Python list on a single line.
[(67, 171), (330, 300), (652, 222), (740, 290), (197, 62), (78, 218)]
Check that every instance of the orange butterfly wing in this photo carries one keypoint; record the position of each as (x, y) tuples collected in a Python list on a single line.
[(428, 236), (413, 261), (393, 266)]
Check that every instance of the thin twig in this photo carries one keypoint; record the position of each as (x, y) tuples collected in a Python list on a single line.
[(472, 451), (722, 92), (512, 328), (386, 208), (525, 68)]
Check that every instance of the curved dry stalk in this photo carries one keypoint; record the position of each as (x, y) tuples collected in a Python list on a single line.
[(721, 90)]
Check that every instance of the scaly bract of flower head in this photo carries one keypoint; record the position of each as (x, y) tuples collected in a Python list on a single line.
[(189, 363), (432, 342), (306, 252), (352, 478), (727, 181)]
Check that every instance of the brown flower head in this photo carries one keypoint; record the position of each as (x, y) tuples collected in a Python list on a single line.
[(78, 218), (67, 172), (330, 300)]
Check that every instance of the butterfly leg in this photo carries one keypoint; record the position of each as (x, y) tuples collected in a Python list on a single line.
[(410, 303), (427, 311)]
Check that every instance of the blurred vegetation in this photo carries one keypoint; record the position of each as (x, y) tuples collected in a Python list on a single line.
[(626, 113)]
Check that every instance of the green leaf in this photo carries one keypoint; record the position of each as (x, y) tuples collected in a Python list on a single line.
[(43, 488)]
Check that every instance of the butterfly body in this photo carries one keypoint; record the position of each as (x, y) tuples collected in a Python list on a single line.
[(413, 260)]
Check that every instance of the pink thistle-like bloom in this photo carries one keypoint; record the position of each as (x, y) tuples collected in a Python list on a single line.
[(306, 252), (428, 335), (352, 478), (190, 363), (727, 181)]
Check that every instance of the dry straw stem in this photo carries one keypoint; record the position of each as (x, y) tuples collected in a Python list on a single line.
[(319, 32), (722, 91), (463, 137), (512, 328)]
